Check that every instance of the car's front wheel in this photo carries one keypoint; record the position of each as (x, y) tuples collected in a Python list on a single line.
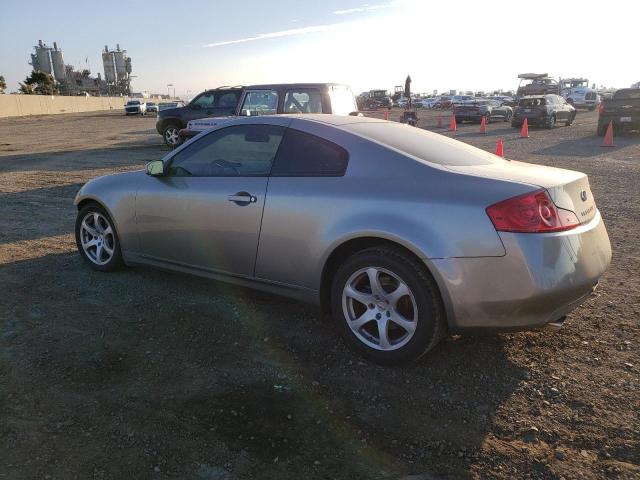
[(387, 306), (171, 135), (97, 239), (551, 122)]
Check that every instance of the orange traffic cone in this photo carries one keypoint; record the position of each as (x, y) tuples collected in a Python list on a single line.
[(525, 129), (608, 137), (500, 148), (439, 121), (483, 125), (452, 125)]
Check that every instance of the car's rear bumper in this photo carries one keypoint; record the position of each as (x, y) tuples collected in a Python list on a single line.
[(628, 121), (532, 119), (541, 278)]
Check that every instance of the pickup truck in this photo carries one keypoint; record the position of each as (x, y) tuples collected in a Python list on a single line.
[(283, 98), (623, 110)]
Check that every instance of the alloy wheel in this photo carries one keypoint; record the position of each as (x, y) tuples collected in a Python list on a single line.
[(379, 308), (97, 238), (171, 136)]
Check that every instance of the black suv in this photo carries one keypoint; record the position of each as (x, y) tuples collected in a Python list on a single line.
[(543, 110), (221, 101)]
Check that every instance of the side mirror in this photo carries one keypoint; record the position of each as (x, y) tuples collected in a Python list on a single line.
[(155, 168)]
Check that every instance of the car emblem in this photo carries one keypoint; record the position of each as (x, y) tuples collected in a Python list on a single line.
[(583, 195)]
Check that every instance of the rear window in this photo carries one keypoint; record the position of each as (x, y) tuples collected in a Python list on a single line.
[(342, 100), (627, 94), (427, 146), (532, 102)]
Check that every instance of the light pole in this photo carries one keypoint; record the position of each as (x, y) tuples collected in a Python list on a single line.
[(168, 93)]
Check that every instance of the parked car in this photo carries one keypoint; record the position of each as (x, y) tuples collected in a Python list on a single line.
[(475, 110), (219, 101), (284, 98), (543, 111), (459, 99), (152, 107), (443, 102), (135, 107), (428, 102), (623, 110), (377, 99), (284, 203), (537, 84)]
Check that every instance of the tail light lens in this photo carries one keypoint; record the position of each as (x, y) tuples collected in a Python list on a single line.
[(601, 108), (532, 212)]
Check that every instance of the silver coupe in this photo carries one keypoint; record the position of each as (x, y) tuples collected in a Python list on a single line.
[(402, 234)]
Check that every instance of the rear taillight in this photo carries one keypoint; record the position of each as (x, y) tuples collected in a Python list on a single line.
[(532, 212), (601, 108)]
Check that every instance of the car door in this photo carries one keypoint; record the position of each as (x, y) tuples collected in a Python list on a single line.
[(560, 108), (206, 211), (201, 106)]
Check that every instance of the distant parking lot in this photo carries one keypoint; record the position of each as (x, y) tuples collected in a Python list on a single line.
[(147, 374)]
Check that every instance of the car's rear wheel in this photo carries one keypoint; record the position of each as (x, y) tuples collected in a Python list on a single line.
[(551, 122), (171, 135), (387, 306), (97, 239)]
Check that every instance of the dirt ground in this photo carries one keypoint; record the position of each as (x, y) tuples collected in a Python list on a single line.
[(151, 375)]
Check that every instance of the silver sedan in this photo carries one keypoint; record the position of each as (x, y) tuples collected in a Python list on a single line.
[(402, 234)]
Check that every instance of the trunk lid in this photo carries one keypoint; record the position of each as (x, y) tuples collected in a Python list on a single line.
[(568, 189)]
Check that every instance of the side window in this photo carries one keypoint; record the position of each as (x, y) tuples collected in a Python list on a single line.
[(305, 155), (227, 99), (343, 101), (260, 102), (239, 151), (303, 101), (205, 100)]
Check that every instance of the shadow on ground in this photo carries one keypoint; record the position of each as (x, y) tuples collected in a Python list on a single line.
[(144, 371)]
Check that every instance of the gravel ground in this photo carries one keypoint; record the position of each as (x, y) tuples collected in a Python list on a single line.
[(146, 374)]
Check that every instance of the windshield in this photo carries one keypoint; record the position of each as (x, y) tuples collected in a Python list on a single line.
[(628, 94), (532, 102), (133, 102)]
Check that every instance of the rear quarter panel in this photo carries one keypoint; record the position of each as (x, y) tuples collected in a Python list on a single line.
[(433, 212)]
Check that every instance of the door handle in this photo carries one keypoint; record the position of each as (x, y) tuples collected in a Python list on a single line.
[(242, 198)]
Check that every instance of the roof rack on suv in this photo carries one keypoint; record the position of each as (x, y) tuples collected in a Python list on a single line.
[(227, 87)]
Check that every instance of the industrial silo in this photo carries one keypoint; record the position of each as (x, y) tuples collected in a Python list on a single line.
[(58, 64), (44, 62), (121, 67), (109, 66)]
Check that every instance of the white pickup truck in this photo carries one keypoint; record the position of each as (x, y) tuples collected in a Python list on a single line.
[(135, 107)]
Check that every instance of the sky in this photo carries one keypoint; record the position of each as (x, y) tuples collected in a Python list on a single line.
[(469, 45)]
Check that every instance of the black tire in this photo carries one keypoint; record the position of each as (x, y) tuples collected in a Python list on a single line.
[(430, 321), (602, 129), (551, 122), (116, 261), (507, 116), (570, 120), (167, 135)]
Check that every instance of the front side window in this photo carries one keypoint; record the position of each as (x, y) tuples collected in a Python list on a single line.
[(260, 102), (303, 101), (206, 100), (305, 155), (239, 151)]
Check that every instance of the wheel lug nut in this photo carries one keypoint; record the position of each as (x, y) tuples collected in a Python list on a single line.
[(378, 316)]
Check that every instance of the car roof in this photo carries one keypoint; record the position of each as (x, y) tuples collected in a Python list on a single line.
[(275, 86)]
